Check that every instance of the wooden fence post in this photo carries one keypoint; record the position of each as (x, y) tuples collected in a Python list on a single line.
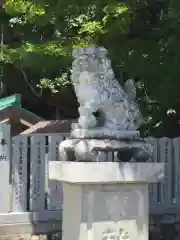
[(37, 176), (55, 197), (19, 174), (165, 156), (5, 163)]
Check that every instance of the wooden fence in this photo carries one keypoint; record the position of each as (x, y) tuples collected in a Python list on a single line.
[(31, 203)]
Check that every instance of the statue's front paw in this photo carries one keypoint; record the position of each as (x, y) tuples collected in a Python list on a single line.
[(66, 150), (83, 151), (88, 121)]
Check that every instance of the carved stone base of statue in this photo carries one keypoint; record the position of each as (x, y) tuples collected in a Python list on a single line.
[(105, 200), (87, 149), (104, 133)]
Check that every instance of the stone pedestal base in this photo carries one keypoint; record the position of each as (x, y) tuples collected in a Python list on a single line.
[(105, 212), (105, 200)]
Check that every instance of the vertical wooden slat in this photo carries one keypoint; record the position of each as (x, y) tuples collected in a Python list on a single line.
[(116, 157), (55, 193), (153, 194), (101, 156), (37, 178), (53, 147), (110, 156), (176, 149), (5, 155), (19, 168), (105, 156), (166, 185)]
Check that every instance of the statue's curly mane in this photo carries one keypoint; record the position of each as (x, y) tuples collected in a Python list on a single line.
[(103, 68)]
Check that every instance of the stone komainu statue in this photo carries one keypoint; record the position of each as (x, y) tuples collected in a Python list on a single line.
[(109, 116), (104, 104)]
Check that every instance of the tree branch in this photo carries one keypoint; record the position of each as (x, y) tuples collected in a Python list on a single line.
[(29, 84)]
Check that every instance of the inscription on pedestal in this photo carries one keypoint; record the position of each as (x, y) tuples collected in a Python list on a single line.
[(116, 212), (112, 235), (116, 206)]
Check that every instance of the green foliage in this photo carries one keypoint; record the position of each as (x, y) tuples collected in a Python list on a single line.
[(54, 84), (142, 38), (31, 12)]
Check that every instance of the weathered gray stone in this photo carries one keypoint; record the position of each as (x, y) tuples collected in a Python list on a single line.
[(104, 200), (104, 103), (108, 112), (86, 149)]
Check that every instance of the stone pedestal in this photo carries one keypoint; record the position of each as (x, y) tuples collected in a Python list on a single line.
[(105, 200)]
